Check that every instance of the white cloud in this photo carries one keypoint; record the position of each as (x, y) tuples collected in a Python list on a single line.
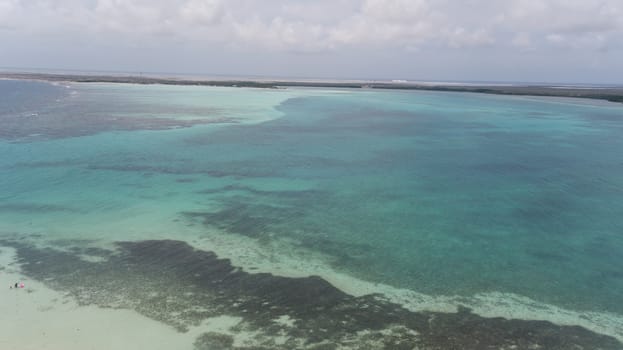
[(460, 38), (7, 7), (320, 25), (396, 10), (282, 34), (569, 23), (132, 17), (388, 23), (523, 41), (556, 38), (202, 12)]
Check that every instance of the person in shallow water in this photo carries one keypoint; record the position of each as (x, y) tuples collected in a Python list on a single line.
[(18, 285)]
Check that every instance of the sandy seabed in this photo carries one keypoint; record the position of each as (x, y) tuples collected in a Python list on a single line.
[(36, 318)]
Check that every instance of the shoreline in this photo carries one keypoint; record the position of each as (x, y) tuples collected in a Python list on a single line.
[(38, 317), (611, 94), (236, 310), (246, 256)]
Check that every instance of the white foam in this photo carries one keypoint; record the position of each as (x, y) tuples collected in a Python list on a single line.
[(283, 258), (280, 258)]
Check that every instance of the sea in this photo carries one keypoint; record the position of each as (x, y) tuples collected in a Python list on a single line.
[(197, 217)]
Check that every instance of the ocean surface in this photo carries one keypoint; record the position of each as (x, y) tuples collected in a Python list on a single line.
[(508, 206)]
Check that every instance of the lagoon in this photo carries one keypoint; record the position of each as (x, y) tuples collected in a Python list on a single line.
[(410, 202)]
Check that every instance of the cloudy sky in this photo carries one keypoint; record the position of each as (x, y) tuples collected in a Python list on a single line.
[(486, 40)]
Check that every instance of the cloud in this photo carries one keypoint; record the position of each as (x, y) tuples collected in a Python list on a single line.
[(128, 16), (387, 23), (461, 38), (282, 34), (373, 24), (523, 41), (572, 24), (202, 12), (7, 7), (393, 11), (324, 25), (565, 16)]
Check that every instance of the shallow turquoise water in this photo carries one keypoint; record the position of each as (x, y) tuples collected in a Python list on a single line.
[(442, 193)]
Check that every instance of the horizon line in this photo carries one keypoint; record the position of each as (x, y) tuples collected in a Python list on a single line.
[(148, 73)]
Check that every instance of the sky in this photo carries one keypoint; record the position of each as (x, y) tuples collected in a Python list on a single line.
[(568, 41)]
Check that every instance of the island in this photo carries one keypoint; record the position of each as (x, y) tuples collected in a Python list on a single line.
[(608, 93)]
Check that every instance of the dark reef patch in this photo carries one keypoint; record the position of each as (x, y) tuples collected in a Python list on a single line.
[(53, 122), (49, 164), (251, 190), (244, 214), (213, 170), (181, 286), (186, 180), (252, 220), (35, 208)]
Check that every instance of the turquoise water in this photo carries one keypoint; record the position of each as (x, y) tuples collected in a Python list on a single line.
[(440, 193)]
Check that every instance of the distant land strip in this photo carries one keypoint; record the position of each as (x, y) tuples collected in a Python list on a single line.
[(612, 94)]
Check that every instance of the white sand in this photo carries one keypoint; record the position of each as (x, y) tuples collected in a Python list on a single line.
[(38, 318), (277, 257)]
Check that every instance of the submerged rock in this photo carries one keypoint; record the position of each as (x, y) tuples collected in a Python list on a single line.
[(174, 283)]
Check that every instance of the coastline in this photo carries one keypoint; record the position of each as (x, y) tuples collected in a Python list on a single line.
[(611, 94), (248, 260), (253, 310), (37, 317), (246, 255)]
